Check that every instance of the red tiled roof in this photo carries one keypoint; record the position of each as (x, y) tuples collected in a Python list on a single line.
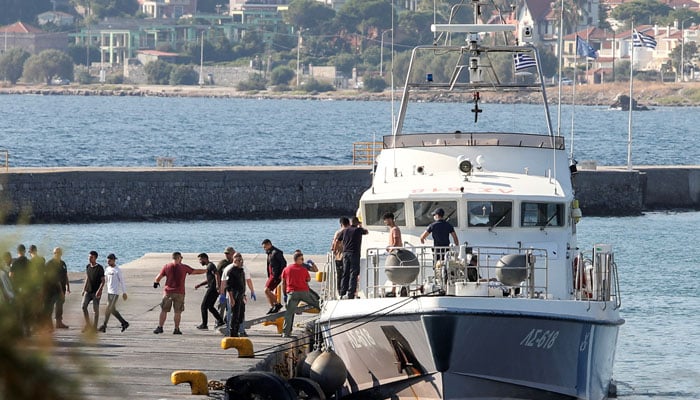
[(538, 8), (20, 27)]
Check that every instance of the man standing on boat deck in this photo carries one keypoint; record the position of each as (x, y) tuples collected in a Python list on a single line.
[(175, 274), (394, 231), (352, 247), (441, 231), (337, 249), (275, 265)]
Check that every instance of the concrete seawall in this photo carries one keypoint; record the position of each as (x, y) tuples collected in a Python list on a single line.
[(107, 194)]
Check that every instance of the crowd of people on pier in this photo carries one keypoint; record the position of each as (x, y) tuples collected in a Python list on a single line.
[(39, 287)]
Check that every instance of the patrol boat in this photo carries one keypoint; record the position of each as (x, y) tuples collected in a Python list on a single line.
[(516, 310)]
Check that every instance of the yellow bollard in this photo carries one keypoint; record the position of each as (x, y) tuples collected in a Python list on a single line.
[(320, 276), (279, 322), (243, 345), (196, 379)]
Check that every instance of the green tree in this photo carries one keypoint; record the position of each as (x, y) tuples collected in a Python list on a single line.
[(12, 64), (689, 51), (109, 8), (22, 10), (46, 65), (79, 54), (641, 11), (158, 72), (309, 14), (345, 63), (281, 75), (183, 75)]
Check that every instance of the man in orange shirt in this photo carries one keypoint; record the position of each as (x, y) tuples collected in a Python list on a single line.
[(295, 285)]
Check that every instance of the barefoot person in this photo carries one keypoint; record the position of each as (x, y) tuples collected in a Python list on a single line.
[(175, 274)]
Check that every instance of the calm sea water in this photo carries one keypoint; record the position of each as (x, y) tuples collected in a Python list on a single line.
[(46, 131), (657, 355)]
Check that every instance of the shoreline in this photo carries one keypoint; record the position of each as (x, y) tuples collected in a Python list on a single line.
[(649, 93)]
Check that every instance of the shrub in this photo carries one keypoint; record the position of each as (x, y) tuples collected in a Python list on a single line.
[(255, 82), (158, 72), (374, 84), (312, 85), (183, 75), (281, 75)]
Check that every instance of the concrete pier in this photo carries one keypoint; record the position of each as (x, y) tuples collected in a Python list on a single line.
[(118, 194), (136, 363)]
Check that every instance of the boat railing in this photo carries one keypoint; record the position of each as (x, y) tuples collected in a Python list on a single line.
[(364, 153), (474, 139), (595, 276), (455, 271)]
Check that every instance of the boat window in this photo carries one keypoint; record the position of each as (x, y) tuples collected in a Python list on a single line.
[(423, 212), (375, 211), (541, 214), (490, 213)]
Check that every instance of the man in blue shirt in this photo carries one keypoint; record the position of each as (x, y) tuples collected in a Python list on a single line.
[(441, 230)]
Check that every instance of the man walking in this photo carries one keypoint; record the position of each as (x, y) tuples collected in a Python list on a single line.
[(275, 265), (295, 285), (115, 286), (227, 260), (352, 247), (213, 282), (233, 284), (175, 274), (57, 286), (92, 290)]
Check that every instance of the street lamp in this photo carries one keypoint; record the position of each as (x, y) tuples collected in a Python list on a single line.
[(381, 52)]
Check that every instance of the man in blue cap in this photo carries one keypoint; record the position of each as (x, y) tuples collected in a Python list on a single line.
[(441, 230)]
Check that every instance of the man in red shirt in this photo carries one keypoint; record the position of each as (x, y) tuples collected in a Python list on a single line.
[(295, 278), (175, 274)]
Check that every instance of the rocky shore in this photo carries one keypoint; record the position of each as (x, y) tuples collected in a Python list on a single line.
[(645, 93)]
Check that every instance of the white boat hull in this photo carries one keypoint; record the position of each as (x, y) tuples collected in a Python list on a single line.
[(459, 348)]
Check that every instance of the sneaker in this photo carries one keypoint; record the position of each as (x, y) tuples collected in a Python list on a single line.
[(276, 308), (61, 325), (158, 330), (220, 324), (102, 329), (202, 327), (177, 331), (242, 334), (126, 325), (272, 309)]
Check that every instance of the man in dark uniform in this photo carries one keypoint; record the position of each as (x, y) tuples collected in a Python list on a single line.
[(351, 237), (275, 265), (92, 290), (441, 230)]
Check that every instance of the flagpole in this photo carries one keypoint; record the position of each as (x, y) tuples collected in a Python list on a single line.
[(573, 101), (629, 123)]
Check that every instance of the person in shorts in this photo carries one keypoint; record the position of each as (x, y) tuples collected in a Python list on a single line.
[(175, 274)]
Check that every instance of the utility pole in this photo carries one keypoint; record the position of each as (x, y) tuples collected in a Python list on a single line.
[(682, 52), (381, 53), (298, 53), (201, 62)]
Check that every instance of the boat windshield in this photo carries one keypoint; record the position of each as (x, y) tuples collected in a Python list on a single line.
[(541, 214), (423, 212), (490, 213), (374, 213)]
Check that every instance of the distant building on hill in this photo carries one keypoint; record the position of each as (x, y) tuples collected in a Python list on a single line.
[(58, 18), (168, 8), (31, 38)]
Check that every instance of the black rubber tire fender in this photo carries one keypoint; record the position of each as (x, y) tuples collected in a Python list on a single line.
[(258, 385), (307, 389)]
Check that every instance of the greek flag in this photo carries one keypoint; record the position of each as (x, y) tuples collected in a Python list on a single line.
[(640, 39), (523, 61), (584, 49)]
